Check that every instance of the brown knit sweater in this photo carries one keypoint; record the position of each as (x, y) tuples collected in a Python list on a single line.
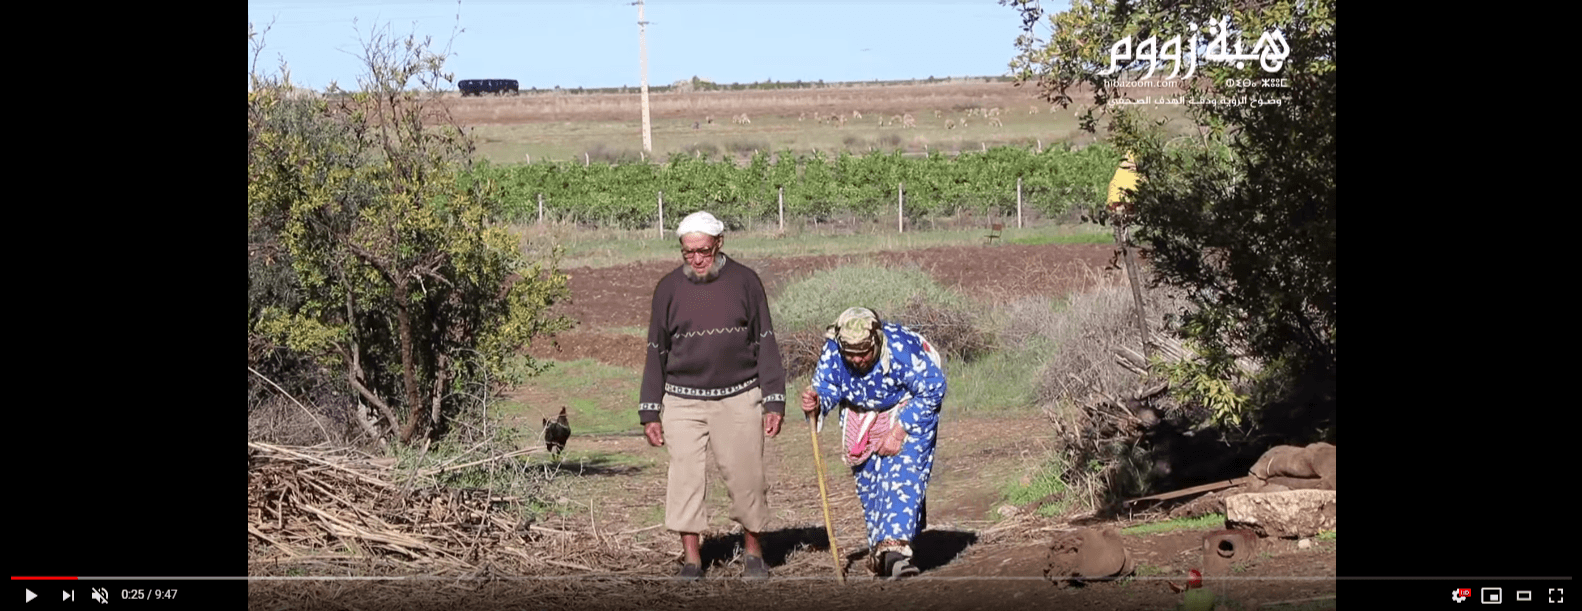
[(711, 338)]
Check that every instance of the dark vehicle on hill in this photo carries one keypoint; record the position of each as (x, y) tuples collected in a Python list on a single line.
[(479, 87)]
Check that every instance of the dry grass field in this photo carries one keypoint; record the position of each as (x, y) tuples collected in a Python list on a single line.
[(948, 116)]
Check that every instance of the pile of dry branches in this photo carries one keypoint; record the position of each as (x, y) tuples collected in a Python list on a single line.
[(308, 504), (953, 333), (1100, 371), (1099, 392), (800, 351)]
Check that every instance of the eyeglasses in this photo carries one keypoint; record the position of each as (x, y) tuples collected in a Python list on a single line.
[(698, 252), (857, 356), (860, 362)]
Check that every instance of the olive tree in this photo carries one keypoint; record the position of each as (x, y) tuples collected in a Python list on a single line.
[(371, 254)]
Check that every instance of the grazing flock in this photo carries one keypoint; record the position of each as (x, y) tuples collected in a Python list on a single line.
[(951, 120)]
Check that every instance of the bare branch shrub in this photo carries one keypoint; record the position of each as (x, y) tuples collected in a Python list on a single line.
[(800, 350), (279, 421), (1089, 397), (955, 334), (1090, 329)]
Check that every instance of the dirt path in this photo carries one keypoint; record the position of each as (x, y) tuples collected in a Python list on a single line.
[(919, 594), (968, 561), (990, 577)]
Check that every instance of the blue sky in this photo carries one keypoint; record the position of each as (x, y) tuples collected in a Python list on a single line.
[(593, 43)]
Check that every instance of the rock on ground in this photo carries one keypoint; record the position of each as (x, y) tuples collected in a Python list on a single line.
[(1088, 554), (1292, 513)]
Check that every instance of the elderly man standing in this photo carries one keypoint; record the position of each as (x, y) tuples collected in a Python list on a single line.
[(713, 381), (890, 383)]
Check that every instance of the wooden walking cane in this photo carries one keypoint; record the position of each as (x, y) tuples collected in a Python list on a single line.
[(829, 525)]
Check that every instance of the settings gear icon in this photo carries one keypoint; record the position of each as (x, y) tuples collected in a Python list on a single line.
[(1457, 596)]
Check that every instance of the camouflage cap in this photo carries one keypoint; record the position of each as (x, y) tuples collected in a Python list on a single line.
[(856, 330)]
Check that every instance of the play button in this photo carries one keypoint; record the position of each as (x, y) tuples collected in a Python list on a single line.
[(30, 595)]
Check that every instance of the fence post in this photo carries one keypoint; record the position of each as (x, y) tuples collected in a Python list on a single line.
[(1018, 203), (1137, 292), (782, 209), (661, 215), (584, 160), (900, 207), (541, 208)]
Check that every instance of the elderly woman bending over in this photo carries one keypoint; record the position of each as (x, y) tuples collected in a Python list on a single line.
[(889, 383)]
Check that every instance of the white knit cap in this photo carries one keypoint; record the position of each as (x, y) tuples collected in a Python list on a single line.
[(700, 222)]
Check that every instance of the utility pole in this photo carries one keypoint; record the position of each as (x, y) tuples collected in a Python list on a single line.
[(642, 46)]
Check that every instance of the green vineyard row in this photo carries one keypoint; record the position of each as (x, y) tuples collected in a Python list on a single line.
[(817, 186)]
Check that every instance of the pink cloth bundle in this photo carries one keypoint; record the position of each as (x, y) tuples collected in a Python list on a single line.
[(865, 429)]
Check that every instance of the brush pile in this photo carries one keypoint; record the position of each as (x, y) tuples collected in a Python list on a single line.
[(1116, 400), (952, 332), (800, 351), (302, 502)]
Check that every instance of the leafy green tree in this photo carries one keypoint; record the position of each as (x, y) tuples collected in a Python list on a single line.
[(372, 255), (1242, 211)]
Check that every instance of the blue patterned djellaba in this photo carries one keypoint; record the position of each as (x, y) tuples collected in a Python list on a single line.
[(906, 385)]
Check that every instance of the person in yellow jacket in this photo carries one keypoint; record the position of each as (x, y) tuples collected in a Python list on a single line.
[(1125, 178)]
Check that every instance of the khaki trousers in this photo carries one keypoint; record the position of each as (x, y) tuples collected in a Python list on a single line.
[(733, 429)]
